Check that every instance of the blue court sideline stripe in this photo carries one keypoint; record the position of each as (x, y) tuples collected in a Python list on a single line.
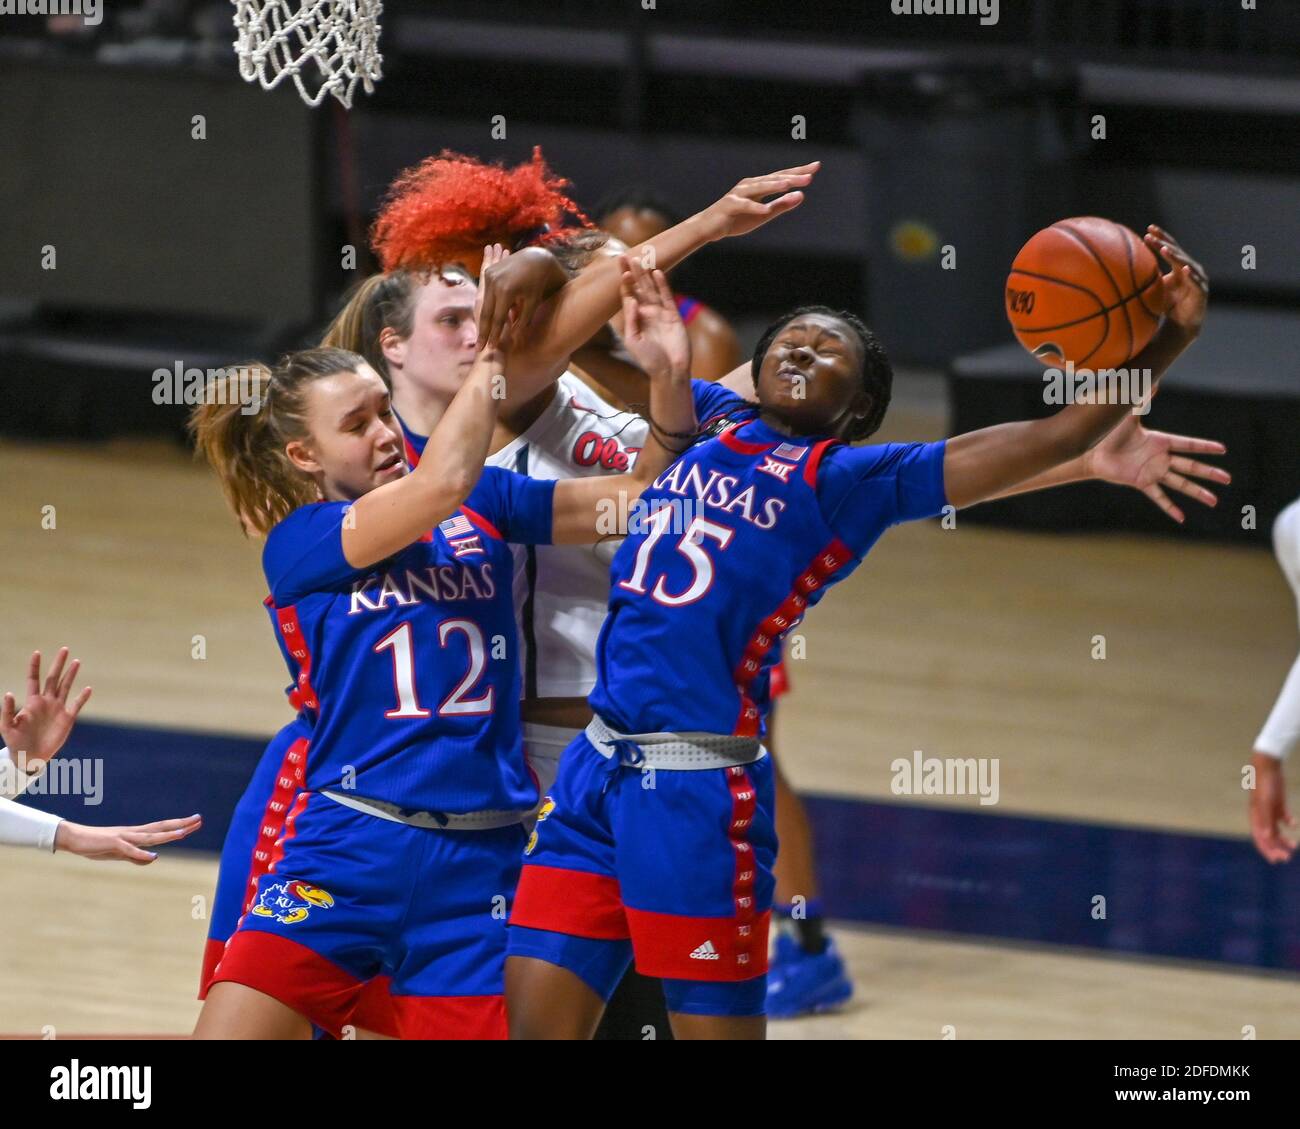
[(1168, 894)]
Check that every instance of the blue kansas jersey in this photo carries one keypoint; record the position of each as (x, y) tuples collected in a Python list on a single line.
[(737, 539), (410, 666)]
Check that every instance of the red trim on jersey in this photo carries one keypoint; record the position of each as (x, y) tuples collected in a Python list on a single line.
[(575, 902), (729, 439), (449, 1017), (664, 943), (482, 523), (744, 802), (292, 973), (296, 645), (814, 460), (412, 455), (268, 848), (283, 806), (779, 680), (826, 563)]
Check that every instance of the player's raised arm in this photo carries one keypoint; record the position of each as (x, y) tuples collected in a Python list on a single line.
[(395, 514), (657, 341), (984, 464), (585, 303)]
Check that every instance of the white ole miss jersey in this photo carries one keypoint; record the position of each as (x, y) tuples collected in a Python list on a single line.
[(562, 591)]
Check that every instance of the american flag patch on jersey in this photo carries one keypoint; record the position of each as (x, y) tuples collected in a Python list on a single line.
[(456, 526), (790, 451)]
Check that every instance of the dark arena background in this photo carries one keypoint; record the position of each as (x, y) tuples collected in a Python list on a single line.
[(1104, 670)]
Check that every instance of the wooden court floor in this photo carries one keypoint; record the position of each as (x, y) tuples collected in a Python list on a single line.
[(967, 642)]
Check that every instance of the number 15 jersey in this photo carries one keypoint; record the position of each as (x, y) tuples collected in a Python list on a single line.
[(732, 544)]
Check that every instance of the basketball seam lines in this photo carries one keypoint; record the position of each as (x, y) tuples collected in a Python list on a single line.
[(1128, 322), (1132, 277), (1077, 321)]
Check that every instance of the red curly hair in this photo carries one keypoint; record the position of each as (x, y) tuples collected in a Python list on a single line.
[(448, 207)]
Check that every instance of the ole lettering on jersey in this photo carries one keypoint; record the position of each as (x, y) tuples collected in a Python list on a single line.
[(410, 666), (736, 540)]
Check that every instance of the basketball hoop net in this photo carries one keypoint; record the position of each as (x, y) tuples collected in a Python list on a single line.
[(279, 39)]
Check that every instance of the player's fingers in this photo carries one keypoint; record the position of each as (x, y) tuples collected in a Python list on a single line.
[(772, 185), (65, 683), (155, 838), (1192, 489), (1172, 245), (163, 825), (142, 837), (56, 672), (1271, 845), (632, 268), (486, 301), (631, 317), (665, 292), (131, 853), (809, 169), (34, 675), (806, 172), (1190, 444), (81, 700), (1162, 500), (527, 310), (1176, 481), (783, 204), (1201, 470), (646, 291)]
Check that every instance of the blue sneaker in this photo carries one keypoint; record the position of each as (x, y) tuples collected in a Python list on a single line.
[(800, 983)]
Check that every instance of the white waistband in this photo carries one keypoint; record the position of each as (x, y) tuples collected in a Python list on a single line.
[(431, 820), (691, 751)]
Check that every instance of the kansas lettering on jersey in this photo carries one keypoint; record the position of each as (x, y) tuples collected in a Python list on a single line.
[(410, 667), (561, 592), (743, 534)]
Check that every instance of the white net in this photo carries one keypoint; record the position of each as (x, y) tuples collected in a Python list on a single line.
[(325, 46)]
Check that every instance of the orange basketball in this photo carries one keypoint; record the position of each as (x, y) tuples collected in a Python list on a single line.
[(1085, 290)]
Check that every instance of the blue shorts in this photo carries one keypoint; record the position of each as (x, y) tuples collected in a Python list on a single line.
[(250, 840), (350, 896), (672, 867)]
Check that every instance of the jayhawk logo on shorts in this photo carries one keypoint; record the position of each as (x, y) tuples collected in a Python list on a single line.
[(547, 807), (290, 902)]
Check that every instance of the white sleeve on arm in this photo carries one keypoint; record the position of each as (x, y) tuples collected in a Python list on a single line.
[(26, 827), (1281, 731), (14, 780)]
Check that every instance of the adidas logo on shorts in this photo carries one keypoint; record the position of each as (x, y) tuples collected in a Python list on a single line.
[(706, 952)]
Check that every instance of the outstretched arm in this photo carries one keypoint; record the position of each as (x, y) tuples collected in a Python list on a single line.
[(1148, 461), (985, 464), (585, 303)]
